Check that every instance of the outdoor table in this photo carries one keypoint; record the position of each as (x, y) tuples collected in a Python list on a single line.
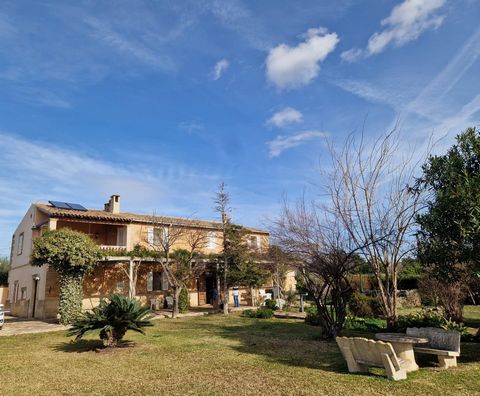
[(403, 347)]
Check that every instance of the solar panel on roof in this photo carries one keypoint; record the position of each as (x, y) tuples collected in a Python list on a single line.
[(76, 206), (67, 205), (60, 205)]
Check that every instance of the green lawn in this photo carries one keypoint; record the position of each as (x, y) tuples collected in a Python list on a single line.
[(212, 355)]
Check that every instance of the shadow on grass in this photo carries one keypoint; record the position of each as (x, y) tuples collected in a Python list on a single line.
[(294, 343), (285, 341), (83, 346)]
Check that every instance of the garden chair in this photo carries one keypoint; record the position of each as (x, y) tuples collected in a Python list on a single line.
[(445, 344), (361, 353)]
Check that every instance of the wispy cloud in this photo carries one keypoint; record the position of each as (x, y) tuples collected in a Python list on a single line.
[(235, 16), (406, 23), (284, 142), (220, 67), (284, 117), (449, 76), (48, 171), (191, 126), (134, 48), (293, 67)]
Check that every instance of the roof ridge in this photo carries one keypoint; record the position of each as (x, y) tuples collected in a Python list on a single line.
[(100, 214)]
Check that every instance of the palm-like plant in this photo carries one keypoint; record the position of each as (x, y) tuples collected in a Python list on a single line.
[(113, 317)]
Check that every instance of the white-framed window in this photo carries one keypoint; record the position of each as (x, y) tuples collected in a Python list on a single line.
[(157, 236), (20, 244), (211, 240), (254, 242), (23, 293), (150, 235), (157, 281)]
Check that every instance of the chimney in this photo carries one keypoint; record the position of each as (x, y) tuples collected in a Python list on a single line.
[(113, 205)]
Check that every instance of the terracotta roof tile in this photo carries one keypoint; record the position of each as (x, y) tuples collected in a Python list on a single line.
[(124, 217)]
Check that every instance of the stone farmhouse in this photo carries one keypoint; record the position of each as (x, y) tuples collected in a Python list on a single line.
[(34, 291)]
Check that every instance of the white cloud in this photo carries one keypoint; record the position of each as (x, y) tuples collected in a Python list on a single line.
[(293, 67), (281, 143), (220, 67), (406, 23), (352, 54), (285, 117)]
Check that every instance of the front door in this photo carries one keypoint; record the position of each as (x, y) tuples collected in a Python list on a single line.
[(202, 295), (35, 287), (210, 287)]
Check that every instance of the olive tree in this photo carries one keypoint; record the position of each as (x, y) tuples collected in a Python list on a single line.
[(72, 255)]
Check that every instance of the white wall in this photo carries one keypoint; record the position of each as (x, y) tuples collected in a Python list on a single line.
[(21, 271)]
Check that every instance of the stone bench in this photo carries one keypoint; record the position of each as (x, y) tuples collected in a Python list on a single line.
[(443, 343), (362, 353)]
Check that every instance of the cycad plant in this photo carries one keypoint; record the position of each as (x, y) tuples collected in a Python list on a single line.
[(112, 317)]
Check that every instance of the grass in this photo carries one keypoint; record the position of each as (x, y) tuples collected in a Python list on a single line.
[(212, 355)]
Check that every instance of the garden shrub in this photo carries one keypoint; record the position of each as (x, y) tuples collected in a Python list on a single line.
[(271, 304), (112, 318), (425, 318), (183, 300), (363, 306), (362, 324), (261, 313), (432, 318), (312, 317)]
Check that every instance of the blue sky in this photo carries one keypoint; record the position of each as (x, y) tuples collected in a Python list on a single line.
[(159, 101)]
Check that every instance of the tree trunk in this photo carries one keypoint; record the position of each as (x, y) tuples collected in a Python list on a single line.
[(71, 295), (225, 291), (176, 297), (131, 281), (216, 303)]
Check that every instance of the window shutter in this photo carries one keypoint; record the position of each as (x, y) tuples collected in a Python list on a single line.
[(150, 235), (259, 242), (164, 281), (149, 281), (166, 235)]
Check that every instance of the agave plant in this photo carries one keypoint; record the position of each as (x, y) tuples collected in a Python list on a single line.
[(112, 317)]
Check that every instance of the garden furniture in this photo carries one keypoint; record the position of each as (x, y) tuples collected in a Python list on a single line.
[(445, 344), (403, 346), (361, 353), (169, 300)]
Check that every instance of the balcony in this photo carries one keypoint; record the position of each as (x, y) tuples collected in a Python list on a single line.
[(114, 248), (107, 236)]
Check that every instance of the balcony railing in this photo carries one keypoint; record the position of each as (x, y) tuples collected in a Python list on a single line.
[(113, 247)]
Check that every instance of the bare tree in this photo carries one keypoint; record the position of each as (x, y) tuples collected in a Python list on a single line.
[(222, 206), (368, 187), (319, 242), (161, 238)]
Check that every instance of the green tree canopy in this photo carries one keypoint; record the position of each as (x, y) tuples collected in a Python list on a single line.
[(72, 254), (449, 236), (67, 251), (243, 269)]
